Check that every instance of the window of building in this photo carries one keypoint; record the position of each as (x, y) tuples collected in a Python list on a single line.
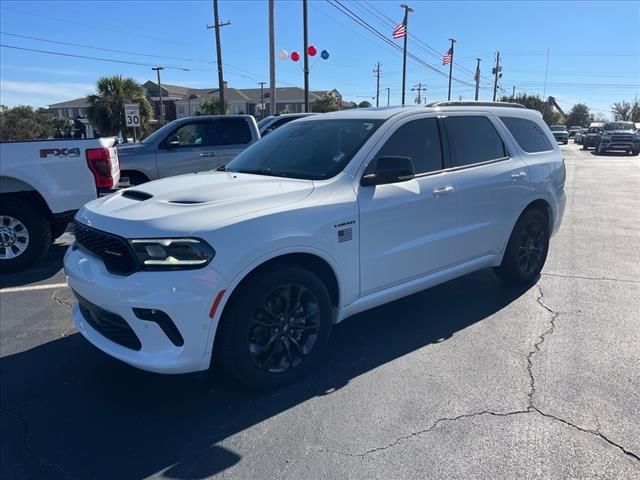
[(473, 140)]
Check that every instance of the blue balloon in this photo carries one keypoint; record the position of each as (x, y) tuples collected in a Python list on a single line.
[(324, 54)]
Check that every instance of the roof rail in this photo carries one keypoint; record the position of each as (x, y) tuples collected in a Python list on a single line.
[(475, 104)]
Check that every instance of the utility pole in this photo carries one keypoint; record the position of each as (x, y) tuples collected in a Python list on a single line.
[(405, 22), (452, 40), (157, 69), (419, 88), (377, 74), (305, 29), (513, 94), (272, 58), (217, 26), (388, 95), (262, 84), (496, 72), (477, 78)]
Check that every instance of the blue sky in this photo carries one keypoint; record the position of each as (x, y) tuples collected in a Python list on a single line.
[(594, 46)]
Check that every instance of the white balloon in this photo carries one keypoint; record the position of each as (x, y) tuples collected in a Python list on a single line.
[(283, 55)]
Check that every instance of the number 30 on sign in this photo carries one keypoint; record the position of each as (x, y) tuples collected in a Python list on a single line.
[(132, 114)]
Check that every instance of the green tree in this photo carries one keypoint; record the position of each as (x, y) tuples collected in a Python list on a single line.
[(326, 103), (364, 104), (534, 102), (626, 111), (211, 106), (579, 115), (26, 123), (106, 107)]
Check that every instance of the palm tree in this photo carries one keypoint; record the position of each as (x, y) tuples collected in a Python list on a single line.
[(106, 108)]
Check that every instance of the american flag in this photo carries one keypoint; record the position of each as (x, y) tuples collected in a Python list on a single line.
[(446, 58), (400, 30)]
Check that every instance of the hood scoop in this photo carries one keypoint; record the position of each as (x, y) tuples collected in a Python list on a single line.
[(186, 202), (137, 195)]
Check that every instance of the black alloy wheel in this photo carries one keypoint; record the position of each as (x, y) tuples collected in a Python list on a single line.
[(284, 329), (532, 248)]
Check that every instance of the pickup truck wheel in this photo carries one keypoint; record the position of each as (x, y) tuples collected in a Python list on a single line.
[(635, 153), (276, 328), (527, 249), (25, 236)]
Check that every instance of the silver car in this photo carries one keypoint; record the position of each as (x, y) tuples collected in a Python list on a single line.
[(187, 145)]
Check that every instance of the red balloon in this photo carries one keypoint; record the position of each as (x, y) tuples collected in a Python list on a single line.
[(311, 50), (295, 56)]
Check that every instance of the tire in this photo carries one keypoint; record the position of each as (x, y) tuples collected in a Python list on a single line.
[(635, 153), (566, 142), (247, 329), (58, 229), (25, 236), (135, 178), (527, 249), (584, 147)]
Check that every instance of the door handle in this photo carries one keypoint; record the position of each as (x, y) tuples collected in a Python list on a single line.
[(443, 190), (208, 154), (518, 175)]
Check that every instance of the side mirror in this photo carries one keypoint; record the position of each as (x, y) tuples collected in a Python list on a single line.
[(172, 142), (389, 170)]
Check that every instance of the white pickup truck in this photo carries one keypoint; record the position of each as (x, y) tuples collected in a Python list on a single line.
[(42, 184)]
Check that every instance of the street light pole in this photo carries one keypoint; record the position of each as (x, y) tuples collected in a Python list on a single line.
[(388, 95), (272, 58), (452, 40), (407, 9), (157, 69), (305, 30)]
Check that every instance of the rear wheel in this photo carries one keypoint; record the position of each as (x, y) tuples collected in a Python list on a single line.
[(527, 249), (25, 236), (276, 328)]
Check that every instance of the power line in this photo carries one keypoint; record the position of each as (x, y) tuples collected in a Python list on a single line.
[(61, 54), (356, 18)]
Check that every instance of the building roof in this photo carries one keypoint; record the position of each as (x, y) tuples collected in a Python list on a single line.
[(82, 102)]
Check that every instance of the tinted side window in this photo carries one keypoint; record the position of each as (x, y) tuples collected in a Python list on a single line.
[(278, 123), (233, 132), (194, 135), (528, 134), (418, 140), (473, 140)]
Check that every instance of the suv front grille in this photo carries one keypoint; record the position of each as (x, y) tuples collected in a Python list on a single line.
[(114, 251), (108, 324), (622, 138)]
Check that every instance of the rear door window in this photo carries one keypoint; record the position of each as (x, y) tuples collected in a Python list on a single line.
[(472, 140), (233, 131), (528, 134)]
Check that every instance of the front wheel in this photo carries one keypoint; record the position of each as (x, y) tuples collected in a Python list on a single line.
[(527, 249), (635, 153), (276, 328), (25, 236)]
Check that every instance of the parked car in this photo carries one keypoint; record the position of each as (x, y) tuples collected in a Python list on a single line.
[(331, 215), (580, 135), (187, 145), (560, 133), (619, 136), (42, 184), (591, 138), (277, 121), (573, 130)]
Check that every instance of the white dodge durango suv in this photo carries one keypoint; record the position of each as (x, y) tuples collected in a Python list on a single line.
[(248, 267)]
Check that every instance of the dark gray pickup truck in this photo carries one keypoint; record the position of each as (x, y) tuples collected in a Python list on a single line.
[(619, 136)]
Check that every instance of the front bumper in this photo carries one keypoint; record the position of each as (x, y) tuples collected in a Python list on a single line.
[(185, 296), (561, 138)]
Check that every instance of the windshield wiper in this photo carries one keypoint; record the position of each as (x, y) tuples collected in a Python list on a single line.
[(264, 171)]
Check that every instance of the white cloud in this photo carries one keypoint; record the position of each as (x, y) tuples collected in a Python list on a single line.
[(41, 93)]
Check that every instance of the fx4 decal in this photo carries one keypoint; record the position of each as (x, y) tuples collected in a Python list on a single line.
[(59, 152)]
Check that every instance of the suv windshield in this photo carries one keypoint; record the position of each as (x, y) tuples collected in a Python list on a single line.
[(312, 150), (557, 128), (619, 126)]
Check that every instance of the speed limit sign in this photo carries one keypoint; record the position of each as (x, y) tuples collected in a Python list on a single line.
[(132, 114)]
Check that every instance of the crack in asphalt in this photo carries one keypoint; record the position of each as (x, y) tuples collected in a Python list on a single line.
[(60, 301), (41, 460), (580, 277)]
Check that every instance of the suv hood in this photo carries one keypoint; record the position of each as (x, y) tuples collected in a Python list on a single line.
[(188, 203)]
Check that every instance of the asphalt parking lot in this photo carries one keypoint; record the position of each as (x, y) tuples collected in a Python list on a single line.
[(470, 379)]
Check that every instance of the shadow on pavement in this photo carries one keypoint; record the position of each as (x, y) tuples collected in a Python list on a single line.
[(81, 414), (46, 268)]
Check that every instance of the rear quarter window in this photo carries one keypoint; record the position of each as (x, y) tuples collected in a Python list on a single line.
[(528, 134)]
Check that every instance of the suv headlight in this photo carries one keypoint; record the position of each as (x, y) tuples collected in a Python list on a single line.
[(172, 253)]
